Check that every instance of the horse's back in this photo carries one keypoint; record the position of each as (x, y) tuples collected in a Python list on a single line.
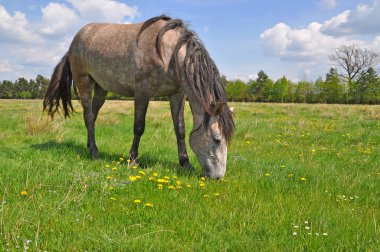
[(110, 55)]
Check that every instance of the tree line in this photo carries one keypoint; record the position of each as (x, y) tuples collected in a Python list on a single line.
[(331, 89)]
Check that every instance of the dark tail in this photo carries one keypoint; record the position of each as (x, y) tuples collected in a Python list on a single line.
[(60, 89)]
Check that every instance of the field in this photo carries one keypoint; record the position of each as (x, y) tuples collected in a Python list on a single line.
[(299, 178)]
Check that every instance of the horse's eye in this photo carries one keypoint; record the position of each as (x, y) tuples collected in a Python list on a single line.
[(217, 138)]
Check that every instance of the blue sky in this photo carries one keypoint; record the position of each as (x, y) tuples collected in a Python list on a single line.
[(291, 38)]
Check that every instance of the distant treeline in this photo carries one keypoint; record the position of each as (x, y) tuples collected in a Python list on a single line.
[(364, 90)]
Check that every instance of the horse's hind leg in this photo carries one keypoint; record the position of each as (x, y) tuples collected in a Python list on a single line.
[(177, 105), (85, 86), (98, 100), (141, 106)]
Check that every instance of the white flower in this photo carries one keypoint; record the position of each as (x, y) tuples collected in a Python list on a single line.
[(307, 228), (294, 233)]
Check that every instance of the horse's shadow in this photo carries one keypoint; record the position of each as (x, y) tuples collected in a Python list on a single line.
[(72, 148)]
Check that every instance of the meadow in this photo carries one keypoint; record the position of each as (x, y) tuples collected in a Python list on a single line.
[(299, 178)]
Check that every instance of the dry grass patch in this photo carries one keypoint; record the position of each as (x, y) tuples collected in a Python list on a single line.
[(39, 124)]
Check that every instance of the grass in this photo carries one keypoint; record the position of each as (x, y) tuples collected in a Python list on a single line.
[(299, 178)]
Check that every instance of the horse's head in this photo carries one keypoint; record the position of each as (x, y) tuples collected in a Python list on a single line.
[(209, 143)]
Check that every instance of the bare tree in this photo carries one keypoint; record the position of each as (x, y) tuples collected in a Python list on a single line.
[(353, 60)]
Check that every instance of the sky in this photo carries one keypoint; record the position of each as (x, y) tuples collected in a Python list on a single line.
[(283, 38)]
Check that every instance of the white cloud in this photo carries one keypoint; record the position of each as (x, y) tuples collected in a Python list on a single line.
[(103, 10), (16, 28), (328, 4), (363, 20), (58, 19)]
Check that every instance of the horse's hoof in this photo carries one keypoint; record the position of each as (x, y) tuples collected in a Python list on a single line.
[(94, 152), (187, 166)]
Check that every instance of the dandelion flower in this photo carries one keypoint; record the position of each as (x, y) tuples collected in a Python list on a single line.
[(138, 177), (167, 177), (114, 169), (267, 174), (178, 182), (206, 196), (24, 193), (132, 178), (188, 185), (151, 178), (149, 204), (109, 177), (202, 185), (303, 179), (203, 179), (155, 174), (159, 186), (112, 198), (290, 175), (171, 187), (129, 160), (137, 201), (111, 188), (121, 159), (216, 194), (142, 173), (107, 166), (175, 177), (134, 167)]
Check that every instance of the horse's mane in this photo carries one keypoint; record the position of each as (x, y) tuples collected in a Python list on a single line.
[(200, 71)]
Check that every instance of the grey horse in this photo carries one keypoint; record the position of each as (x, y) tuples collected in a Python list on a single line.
[(159, 57)]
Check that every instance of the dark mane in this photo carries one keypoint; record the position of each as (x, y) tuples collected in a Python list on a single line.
[(200, 71)]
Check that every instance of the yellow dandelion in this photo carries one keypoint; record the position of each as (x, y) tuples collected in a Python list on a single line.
[(303, 179), (167, 177), (178, 182), (132, 178), (111, 188), (109, 177), (188, 185), (155, 174), (129, 160), (142, 173), (313, 150), (216, 194), (179, 187), (24, 193), (203, 179), (159, 186), (171, 187), (134, 167), (148, 204), (137, 201), (114, 169), (206, 196), (290, 175), (267, 174), (112, 198), (121, 159), (202, 185), (175, 177), (138, 177), (107, 166), (117, 163), (151, 178)]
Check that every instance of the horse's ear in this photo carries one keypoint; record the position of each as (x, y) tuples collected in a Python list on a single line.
[(217, 108)]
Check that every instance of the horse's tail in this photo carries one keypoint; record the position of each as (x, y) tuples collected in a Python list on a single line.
[(60, 89)]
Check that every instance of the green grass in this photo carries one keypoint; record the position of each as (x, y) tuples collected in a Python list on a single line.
[(299, 178)]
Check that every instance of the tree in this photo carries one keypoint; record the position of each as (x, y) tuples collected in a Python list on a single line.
[(261, 81), (332, 88), (353, 61), (367, 88)]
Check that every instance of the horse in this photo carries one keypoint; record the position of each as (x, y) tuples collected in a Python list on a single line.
[(158, 57)]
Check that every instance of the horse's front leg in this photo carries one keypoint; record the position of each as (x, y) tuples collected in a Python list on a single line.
[(141, 106), (177, 105)]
